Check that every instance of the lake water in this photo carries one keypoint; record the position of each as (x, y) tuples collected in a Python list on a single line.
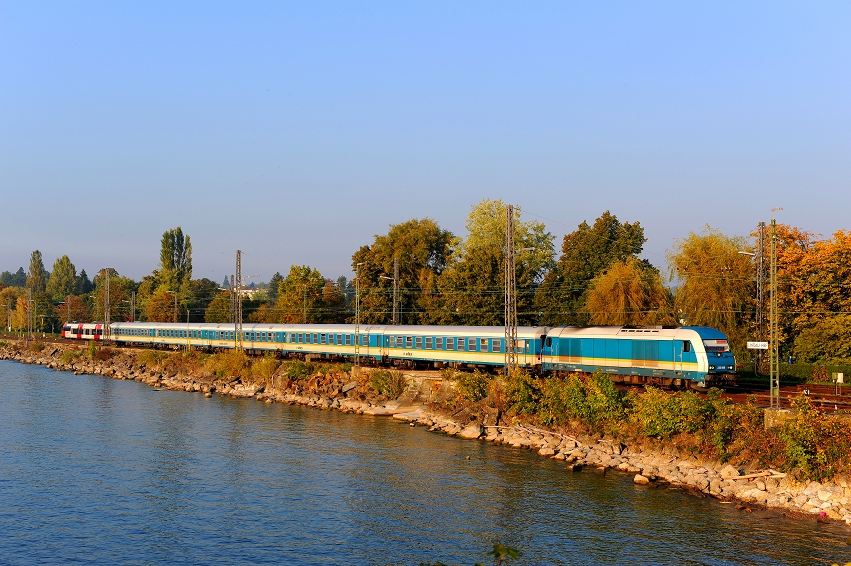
[(94, 470)]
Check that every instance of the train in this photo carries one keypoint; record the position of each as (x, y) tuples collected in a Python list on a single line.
[(685, 356)]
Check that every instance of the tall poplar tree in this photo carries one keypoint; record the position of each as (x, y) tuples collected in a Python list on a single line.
[(175, 260), (37, 276)]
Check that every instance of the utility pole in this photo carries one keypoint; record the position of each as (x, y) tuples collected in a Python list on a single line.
[(29, 313), (774, 371), (133, 306), (68, 304), (105, 336), (396, 291), (510, 294), (232, 306), (357, 314), (238, 310), (304, 306), (760, 292)]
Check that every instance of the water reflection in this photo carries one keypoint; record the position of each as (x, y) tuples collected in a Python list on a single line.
[(106, 471)]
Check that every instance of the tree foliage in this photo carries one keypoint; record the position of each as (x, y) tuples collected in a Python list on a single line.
[(716, 283), (17, 279), (175, 260), (63, 279), (629, 292), (585, 253), (37, 276), (471, 289), (421, 247)]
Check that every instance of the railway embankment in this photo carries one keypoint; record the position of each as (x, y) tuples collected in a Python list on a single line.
[(445, 404)]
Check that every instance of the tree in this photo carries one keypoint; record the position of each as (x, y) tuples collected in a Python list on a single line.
[(37, 276), (716, 283), (9, 301), (74, 309), (17, 279), (585, 253), (300, 296), (629, 292), (201, 293), (159, 307), (63, 279), (219, 308), (471, 289), (120, 289), (175, 260), (420, 246), (274, 282), (84, 286)]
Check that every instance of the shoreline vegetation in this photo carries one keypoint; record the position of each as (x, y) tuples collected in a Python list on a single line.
[(799, 466)]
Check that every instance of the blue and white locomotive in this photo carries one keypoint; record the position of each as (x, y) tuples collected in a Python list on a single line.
[(643, 355)]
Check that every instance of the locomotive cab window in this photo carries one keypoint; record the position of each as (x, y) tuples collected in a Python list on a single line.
[(686, 346)]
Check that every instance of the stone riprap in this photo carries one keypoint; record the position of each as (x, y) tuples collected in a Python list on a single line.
[(422, 404)]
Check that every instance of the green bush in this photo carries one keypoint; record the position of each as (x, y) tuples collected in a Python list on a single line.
[(592, 399), (472, 386), (522, 392), (92, 349), (265, 367), (151, 358), (298, 369), (69, 356), (388, 382), (816, 443)]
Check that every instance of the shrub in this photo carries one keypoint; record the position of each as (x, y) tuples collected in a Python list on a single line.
[(298, 369), (4, 344), (92, 349), (816, 443), (388, 382), (522, 392), (227, 364), (593, 400), (152, 358), (473, 386), (265, 367), (346, 368), (70, 355), (36, 346)]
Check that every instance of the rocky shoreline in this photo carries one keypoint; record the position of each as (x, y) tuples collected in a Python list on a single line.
[(424, 402)]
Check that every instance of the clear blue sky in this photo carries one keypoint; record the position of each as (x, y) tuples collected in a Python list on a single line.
[(297, 131)]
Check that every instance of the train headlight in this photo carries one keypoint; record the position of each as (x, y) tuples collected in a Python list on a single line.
[(711, 367)]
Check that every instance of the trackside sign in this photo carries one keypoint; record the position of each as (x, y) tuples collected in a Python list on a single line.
[(757, 345)]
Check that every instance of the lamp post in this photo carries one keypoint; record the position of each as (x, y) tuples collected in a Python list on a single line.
[(395, 280)]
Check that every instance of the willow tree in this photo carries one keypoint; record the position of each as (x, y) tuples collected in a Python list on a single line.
[(585, 253), (629, 293), (716, 282)]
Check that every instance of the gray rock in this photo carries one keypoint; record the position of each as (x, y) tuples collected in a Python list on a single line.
[(474, 430), (641, 480)]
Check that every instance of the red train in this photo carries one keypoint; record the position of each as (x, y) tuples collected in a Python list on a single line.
[(83, 330)]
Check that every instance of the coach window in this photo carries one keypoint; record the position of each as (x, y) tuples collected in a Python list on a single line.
[(409, 342), (459, 344), (497, 345), (428, 343), (483, 345), (471, 344)]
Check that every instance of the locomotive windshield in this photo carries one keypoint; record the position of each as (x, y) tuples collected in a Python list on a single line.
[(716, 346)]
